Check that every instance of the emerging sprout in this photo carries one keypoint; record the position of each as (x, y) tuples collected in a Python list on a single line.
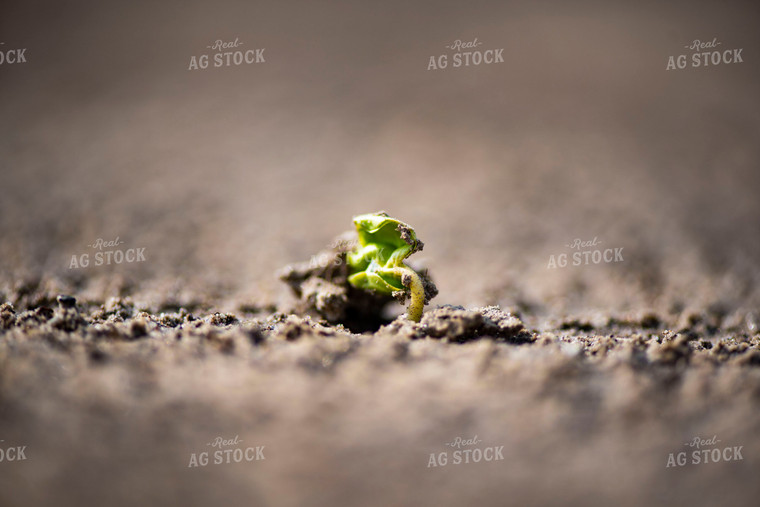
[(378, 263)]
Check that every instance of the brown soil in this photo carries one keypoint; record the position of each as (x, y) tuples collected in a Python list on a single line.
[(589, 376), (112, 399)]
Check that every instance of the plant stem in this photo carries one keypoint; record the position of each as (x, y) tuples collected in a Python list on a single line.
[(417, 302)]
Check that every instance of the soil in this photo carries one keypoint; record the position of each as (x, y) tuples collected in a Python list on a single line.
[(113, 399), (584, 378), (322, 289)]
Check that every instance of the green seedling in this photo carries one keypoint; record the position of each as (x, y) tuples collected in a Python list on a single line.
[(378, 262)]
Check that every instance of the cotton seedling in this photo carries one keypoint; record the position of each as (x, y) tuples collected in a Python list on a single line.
[(377, 264)]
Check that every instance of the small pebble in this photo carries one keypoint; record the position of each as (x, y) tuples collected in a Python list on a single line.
[(66, 301)]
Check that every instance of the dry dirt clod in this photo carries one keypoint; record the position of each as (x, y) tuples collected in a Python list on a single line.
[(457, 324)]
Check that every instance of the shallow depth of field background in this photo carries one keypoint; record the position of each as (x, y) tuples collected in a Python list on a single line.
[(226, 174)]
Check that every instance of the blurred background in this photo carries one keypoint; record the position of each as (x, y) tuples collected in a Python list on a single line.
[(226, 174)]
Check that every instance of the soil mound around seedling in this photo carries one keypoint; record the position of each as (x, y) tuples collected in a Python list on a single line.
[(322, 289)]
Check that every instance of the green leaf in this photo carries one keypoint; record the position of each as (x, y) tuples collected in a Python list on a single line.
[(384, 243)]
